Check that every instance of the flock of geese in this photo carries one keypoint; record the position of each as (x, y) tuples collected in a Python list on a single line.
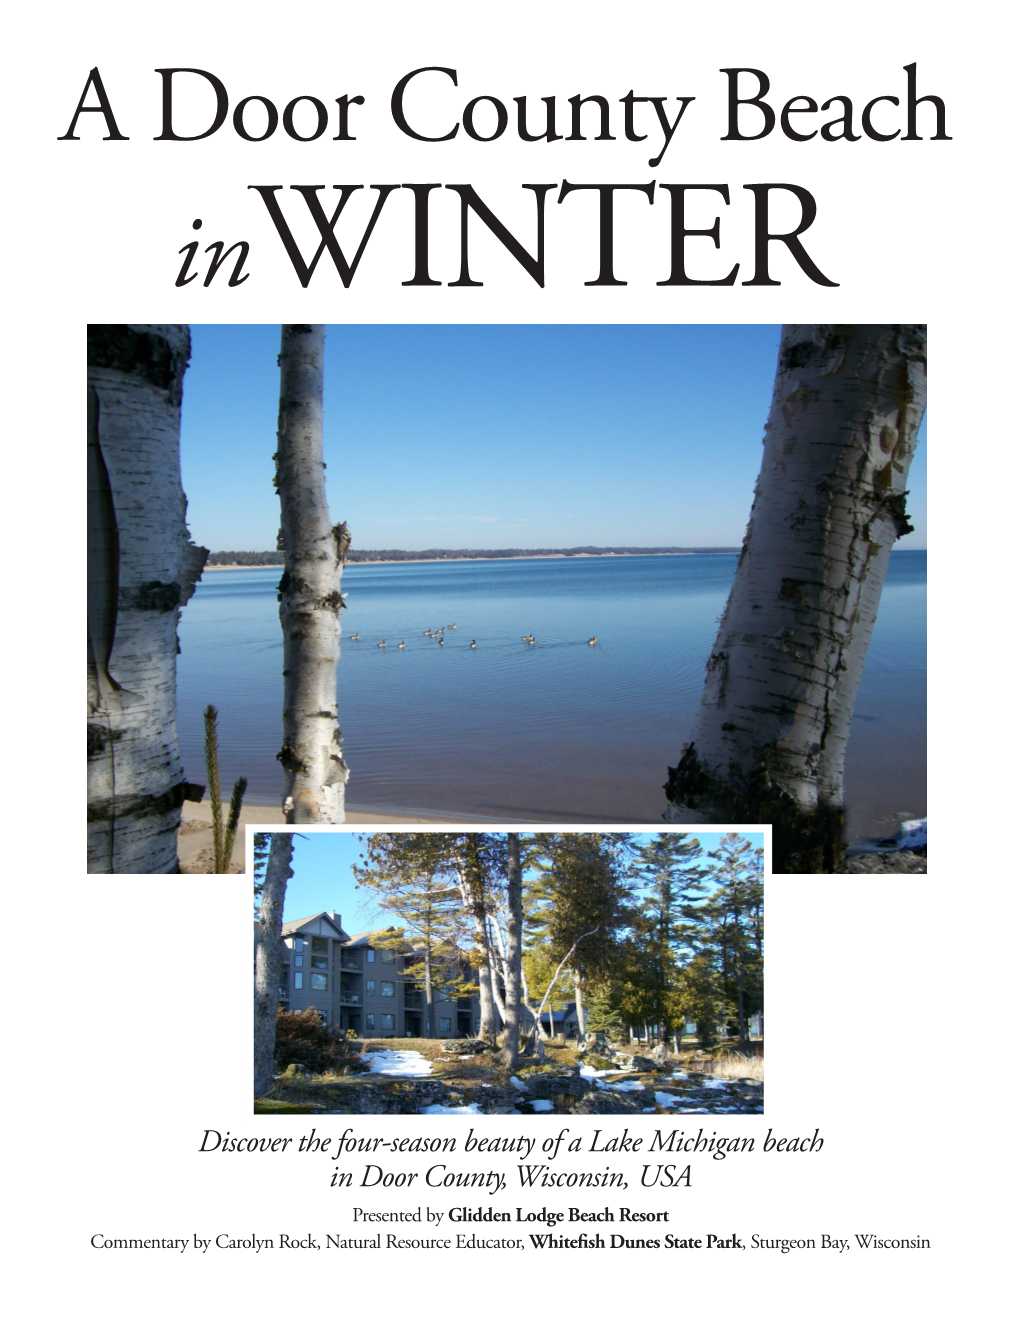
[(437, 634)]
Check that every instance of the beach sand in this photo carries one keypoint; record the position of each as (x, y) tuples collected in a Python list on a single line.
[(195, 839)]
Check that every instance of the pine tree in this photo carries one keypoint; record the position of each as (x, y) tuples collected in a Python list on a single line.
[(578, 903), (665, 925), (735, 933), (406, 871)]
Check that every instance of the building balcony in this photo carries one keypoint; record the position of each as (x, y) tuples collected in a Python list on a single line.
[(351, 967), (413, 999), (349, 1000)]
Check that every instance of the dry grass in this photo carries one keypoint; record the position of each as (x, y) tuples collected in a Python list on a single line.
[(732, 1065), (429, 1048), (722, 1061)]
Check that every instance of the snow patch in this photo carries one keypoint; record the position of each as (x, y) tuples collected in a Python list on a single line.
[(450, 1109), (542, 1106), (399, 1063), (665, 1099), (517, 1084)]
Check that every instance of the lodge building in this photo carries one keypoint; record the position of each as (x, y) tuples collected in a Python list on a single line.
[(358, 985)]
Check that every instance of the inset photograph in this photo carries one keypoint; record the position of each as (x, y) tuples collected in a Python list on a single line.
[(560, 972)]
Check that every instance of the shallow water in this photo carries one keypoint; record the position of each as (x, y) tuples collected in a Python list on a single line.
[(558, 731)]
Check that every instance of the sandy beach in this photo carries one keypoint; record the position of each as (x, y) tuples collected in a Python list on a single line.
[(195, 838)]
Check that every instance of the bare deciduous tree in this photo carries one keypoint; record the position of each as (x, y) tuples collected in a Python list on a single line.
[(309, 592), (770, 737), (268, 958), (142, 568), (514, 933)]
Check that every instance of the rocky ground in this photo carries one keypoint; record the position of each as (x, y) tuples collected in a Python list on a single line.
[(473, 1084), (889, 863)]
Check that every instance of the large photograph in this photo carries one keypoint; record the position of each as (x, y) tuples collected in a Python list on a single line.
[(605, 575)]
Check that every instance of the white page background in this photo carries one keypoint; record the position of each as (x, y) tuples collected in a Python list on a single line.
[(887, 996)]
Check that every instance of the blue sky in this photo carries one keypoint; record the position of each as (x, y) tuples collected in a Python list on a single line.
[(491, 436), (323, 882)]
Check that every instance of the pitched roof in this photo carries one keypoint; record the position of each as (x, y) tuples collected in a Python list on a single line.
[(291, 927), (367, 937)]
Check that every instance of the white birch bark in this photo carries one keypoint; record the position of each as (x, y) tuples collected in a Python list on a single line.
[(579, 1003), (769, 739), (474, 904), (268, 957), (309, 593), (142, 568)]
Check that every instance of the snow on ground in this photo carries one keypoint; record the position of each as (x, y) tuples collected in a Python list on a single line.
[(542, 1106), (665, 1099), (450, 1109), (517, 1083), (715, 1083), (399, 1063)]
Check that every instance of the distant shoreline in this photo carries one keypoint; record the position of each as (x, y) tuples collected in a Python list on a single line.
[(495, 559)]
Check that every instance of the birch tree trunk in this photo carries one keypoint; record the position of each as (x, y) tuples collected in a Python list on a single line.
[(579, 1004), (473, 897), (430, 1008), (309, 591), (769, 739), (142, 568), (514, 932), (268, 958)]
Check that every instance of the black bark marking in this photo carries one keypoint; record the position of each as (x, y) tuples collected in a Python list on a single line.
[(146, 804), (342, 537), (159, 596), (291, 762), (139, 353)]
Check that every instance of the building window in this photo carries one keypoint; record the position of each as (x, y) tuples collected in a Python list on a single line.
[(299, 944), (386, 955), (387, 989), (299, 960), (318, 981), (369, 987), (320, 962), (370, 955), (298, 980), (444, 1024), (387, 1021)]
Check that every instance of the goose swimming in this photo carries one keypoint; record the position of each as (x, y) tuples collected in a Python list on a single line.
[(474, 646), (400, 646), (355, 637), (593, 641), (380, 643)]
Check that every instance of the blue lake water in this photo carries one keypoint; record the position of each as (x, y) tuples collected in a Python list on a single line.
[(558, 731)]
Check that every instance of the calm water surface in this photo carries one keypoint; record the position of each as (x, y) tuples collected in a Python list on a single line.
[(556, 731)]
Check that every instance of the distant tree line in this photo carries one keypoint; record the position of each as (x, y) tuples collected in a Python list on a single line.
[(275, 557)]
